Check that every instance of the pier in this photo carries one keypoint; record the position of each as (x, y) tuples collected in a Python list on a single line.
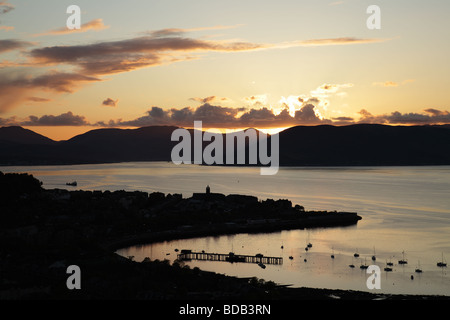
[(187, 255)]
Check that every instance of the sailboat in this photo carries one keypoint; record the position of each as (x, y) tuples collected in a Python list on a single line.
[(332, 255), (364, 266), (418, 269), (390, 263), (351, 265), (356, 255), (442, 264), (309, 245), (403, 261), (373, 257), (387, 268)]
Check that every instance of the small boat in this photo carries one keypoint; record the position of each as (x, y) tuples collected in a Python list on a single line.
[(387, 268), (351, 265), (442, 264), (291, 257), (176, 250), (262, 265), (389, 263), (309, 245), (403, 261), (418, 269), (73, 184), (356, 255), (306, 249), (364, 266)]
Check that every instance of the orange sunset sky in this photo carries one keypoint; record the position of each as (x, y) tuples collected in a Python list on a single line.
[(231, 64)]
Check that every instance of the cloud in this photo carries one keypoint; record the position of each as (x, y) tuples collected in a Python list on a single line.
[(326, 89), (435, 112), (87, 63), (213, 116), (209, 99), (110, 102), (60, 81), (5, 7), (159, 47), (6, 28), (392, 83), (127, 55), (95, 25), (342, 119), (15, 89), (38, 99), (386, 84), (224, 117), (76, 65), (317, 97), (431, 116), (65, 119), (13, 44), (178, 31), (236, 118), (340, 41), (257, 100)]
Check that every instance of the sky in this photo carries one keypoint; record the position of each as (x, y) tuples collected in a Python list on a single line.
[(231, 64)]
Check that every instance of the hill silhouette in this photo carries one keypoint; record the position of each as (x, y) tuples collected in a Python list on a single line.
[(354, 145)]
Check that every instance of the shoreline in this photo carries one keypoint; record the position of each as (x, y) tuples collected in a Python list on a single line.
[(222, 229), (289, 292), (42, 232)]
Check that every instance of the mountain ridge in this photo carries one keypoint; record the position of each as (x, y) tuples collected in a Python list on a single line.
[(323, 145)]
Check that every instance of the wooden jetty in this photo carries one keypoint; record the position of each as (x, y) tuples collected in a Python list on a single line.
[(187, 255)]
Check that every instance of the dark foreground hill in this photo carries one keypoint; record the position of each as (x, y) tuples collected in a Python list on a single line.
[(355, 145)]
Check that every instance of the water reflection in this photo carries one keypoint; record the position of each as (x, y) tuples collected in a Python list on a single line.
[(319, 269)]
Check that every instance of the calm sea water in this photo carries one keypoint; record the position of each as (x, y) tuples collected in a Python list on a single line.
[(404, 209)]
